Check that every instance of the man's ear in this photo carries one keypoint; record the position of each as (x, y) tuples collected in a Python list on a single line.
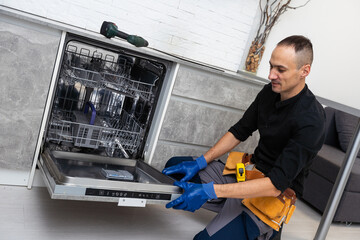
[(305, 70)]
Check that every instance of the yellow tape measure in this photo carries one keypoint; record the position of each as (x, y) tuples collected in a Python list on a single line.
[(240, 172)]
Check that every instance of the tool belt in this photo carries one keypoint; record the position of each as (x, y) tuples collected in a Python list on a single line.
[(273, 211)]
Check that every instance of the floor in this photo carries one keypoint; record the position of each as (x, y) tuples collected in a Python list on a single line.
[(31, 214)]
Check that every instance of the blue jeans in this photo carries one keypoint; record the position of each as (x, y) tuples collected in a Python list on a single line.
[(242, 227)]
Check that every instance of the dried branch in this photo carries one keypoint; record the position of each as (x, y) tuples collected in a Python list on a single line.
[(299, 6), (270, 14)]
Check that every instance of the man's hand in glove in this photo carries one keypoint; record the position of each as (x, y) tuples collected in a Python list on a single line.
[(194, 196), (188, 168)]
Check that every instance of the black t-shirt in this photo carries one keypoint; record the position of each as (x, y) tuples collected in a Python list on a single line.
[(291, 134)]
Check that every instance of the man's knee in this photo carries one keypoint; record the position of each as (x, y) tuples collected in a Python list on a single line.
[(176, 160)]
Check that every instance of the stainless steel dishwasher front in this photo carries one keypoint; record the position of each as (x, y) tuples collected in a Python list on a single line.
[(77, 176)]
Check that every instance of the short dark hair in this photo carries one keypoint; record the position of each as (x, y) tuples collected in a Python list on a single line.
[(303, 48)]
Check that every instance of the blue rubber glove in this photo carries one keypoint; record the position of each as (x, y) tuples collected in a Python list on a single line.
[(188, 168), (194, 196)]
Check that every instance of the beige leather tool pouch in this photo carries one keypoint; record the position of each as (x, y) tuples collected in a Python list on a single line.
[(240, 157), (274, 211)]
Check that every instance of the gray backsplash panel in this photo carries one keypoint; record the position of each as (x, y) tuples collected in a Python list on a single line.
[(193, 123), (203, 106), (27, 60), (214, 88)]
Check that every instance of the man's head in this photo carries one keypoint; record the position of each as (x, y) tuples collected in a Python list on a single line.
[(303, 49), (290, 64)]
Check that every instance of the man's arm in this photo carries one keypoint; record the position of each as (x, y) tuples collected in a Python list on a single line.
[(195, 195), (262, 187), (224, 145), (254, 188)]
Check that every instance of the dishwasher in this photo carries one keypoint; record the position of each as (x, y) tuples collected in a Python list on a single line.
[(105, 105)]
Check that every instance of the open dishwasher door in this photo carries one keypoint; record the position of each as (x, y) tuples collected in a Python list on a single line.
[(100, 125), (78, 176)]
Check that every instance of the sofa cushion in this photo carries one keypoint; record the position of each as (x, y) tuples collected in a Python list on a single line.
[(327, 164), (330, 126), (345, 126), (317, 191)]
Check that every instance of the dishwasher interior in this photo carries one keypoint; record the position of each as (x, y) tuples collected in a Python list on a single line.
[(102, 110), (103, 103)]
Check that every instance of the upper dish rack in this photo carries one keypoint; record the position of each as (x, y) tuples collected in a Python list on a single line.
[(98, 71)]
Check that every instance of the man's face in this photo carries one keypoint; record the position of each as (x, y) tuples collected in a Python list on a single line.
[(285, 77)]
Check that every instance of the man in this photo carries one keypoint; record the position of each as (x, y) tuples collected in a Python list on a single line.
[(291, 126)]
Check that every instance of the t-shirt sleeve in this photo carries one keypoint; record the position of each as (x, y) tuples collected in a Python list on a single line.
[(248, 123), (298, 153)]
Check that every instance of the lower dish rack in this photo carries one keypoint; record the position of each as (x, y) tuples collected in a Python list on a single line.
[(122, 133)]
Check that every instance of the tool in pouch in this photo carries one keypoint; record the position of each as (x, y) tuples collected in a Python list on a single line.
[(240, 172), (273, 211)]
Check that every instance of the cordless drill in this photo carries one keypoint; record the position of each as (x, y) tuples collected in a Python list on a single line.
[(109, 30)]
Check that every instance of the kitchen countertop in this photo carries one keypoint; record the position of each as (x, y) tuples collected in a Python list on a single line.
[(243, 75)]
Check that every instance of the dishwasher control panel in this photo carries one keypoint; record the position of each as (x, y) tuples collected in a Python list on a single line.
[(126, 194)]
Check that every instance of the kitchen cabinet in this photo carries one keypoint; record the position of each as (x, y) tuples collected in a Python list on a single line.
[(27, 53)]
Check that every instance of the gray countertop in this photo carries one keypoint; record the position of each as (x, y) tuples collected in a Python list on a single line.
[(243, 75)]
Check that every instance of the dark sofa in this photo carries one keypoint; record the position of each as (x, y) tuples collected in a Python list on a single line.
[(340, 127)]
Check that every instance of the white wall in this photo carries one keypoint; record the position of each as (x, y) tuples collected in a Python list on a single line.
[(210, 31), (333, 27)]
